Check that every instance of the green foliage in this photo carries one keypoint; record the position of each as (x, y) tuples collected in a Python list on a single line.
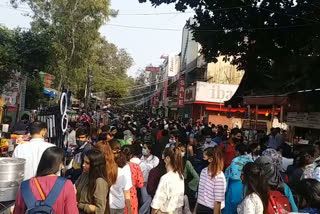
[(275, 42), (34, 92), (8, 55), (22, 51), (73, 27)]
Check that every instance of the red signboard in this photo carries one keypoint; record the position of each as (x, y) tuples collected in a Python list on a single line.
[(153, 69), (180, 102)]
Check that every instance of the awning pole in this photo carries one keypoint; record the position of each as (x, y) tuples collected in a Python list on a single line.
[(257, 114), (272, 116)]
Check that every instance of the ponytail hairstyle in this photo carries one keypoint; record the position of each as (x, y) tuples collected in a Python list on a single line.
[(127, 151), (111, 166), (175, 160), (119, 155), (217, 162), (97, 169), (253, 180)]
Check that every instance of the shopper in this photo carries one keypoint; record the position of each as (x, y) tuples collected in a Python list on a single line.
[(83, 145), (308, 195), (212, 186), (256, 191), (233, 177), (229, 147), (119, 196), (57, 192), (92, 186), (279, 191), (169, 197), (150, 160), (111, 166), (191, 177), (136, 176), (32, 151)]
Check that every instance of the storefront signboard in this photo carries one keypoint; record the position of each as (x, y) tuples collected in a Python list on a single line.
[(216, 93), (181, 89), (189, 94), (304, 120)]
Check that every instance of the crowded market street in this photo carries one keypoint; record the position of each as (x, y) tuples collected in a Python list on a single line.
[(159, 107)]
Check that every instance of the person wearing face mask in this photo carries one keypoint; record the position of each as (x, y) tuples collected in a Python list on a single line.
[(33, 150), (47, 184), (209, 142), (148, 162), (212, 185), (191, 177), (229, 147), (173, 140), (83, 146), (255, 150)]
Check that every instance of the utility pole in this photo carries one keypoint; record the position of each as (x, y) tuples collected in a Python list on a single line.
[(88, 89)]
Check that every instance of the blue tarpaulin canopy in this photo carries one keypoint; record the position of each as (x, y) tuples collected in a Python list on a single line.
[(51, 93)]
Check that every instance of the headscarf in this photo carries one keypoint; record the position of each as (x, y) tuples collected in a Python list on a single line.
[(271, 173), (275, 156)]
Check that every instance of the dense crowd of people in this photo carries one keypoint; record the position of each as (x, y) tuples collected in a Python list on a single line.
[(144, 165)]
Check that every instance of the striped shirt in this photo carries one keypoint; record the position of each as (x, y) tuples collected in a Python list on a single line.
[(211, 189)]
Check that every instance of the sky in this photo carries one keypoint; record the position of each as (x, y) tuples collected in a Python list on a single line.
[(144, 45)]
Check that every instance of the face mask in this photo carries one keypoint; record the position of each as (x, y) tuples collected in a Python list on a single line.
[(208, 140), (183, 154), (206, 162), (172, 141), (144, 152), (80, 143), (235, 140), (257, 152)]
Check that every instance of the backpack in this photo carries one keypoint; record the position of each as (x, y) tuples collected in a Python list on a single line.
[(278, 203), (45, 206)]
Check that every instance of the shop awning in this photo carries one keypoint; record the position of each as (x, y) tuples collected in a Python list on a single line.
[(265, 100)]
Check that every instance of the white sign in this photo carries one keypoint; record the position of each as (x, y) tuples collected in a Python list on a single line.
[(216, 93), (304, 120), (173, 65)]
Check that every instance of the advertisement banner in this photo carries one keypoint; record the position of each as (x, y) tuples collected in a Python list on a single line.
[(165, 92), (180, 102), (173, 65), (153, 69), (215, 93), (190, 94)]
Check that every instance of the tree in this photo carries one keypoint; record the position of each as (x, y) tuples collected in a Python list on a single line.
[(275, 42), (8, 56), (110, 70), (74, 26), (21, 51), (34, 92)]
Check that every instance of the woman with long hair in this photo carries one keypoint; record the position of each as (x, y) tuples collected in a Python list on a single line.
[(308, 196), (111, 166), (119, 196), (136, 176), (92, 186), (169, 197), (256, 191), (212, 185), (277, 186), (45, 181)]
